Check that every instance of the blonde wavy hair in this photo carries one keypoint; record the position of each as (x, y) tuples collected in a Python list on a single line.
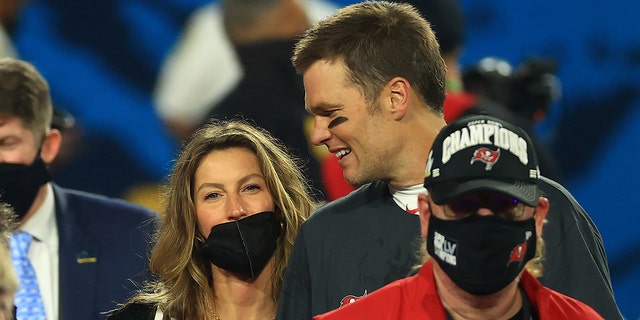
[(8, 279), (183, 289)]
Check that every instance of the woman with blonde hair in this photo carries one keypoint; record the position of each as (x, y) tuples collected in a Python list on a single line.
[(8, 279), (234, 203)]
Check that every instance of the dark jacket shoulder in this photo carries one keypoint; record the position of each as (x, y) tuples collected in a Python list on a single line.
[(363, 195), (83, 200), (97, 212)]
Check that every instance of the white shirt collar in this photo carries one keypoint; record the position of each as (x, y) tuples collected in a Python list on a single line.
[(42, 225), (407, 198)]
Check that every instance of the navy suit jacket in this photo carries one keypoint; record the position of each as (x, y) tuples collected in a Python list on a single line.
[(104, 246)]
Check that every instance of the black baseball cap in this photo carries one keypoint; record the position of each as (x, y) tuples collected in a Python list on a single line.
[(482, 153)]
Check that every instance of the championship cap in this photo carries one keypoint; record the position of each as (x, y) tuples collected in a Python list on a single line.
[(482, 153)]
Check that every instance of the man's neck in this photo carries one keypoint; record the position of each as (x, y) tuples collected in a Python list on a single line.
[(416, 139)]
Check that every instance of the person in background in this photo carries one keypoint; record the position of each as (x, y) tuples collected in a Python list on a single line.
[(62, 120), (8, 279), (234, 203), (521, 95), (9, 11), (482, 220), (374, 80), (86, 250), (270, 92), (203, 67), (491, 86)]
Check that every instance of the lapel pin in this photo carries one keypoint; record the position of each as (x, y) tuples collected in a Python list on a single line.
[(83, 257)]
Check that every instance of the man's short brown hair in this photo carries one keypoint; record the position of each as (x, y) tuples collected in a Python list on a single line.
[(376, 41), (24, 93)]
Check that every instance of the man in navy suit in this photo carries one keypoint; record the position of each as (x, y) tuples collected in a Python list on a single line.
[(88, 251)]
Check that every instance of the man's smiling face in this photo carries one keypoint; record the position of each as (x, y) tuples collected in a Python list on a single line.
[(344, 123)]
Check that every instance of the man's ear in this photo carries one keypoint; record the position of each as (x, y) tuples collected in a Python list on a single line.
[(540, 214), (425, 213), (51, 145), (399, 90)]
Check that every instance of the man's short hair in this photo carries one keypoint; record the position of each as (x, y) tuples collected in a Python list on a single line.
[(24, 93), (376, 41)]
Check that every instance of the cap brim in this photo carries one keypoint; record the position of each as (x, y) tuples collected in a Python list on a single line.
[(446, 191)]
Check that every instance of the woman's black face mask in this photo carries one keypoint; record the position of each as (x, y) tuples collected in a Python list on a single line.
[(244, 246)]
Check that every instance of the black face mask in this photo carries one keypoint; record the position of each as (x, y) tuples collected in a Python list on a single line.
[(481, 254), (245, 246), (19, 184)]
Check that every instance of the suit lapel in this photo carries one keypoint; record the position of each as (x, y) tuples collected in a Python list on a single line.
[(78, 259)]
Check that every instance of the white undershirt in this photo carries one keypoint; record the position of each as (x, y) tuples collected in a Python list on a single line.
[(407, 198), (43, 252)]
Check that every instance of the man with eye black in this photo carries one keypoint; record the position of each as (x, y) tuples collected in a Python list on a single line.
[(374, 81)]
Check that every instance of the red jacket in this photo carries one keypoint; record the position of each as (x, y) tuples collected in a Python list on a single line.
[(416, 297)]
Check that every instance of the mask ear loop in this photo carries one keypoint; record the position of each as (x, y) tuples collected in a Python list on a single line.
[(280, 216)]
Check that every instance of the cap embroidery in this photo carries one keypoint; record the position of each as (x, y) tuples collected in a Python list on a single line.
[(490, 133), (427, 172), (486, 156), (519, 251)]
